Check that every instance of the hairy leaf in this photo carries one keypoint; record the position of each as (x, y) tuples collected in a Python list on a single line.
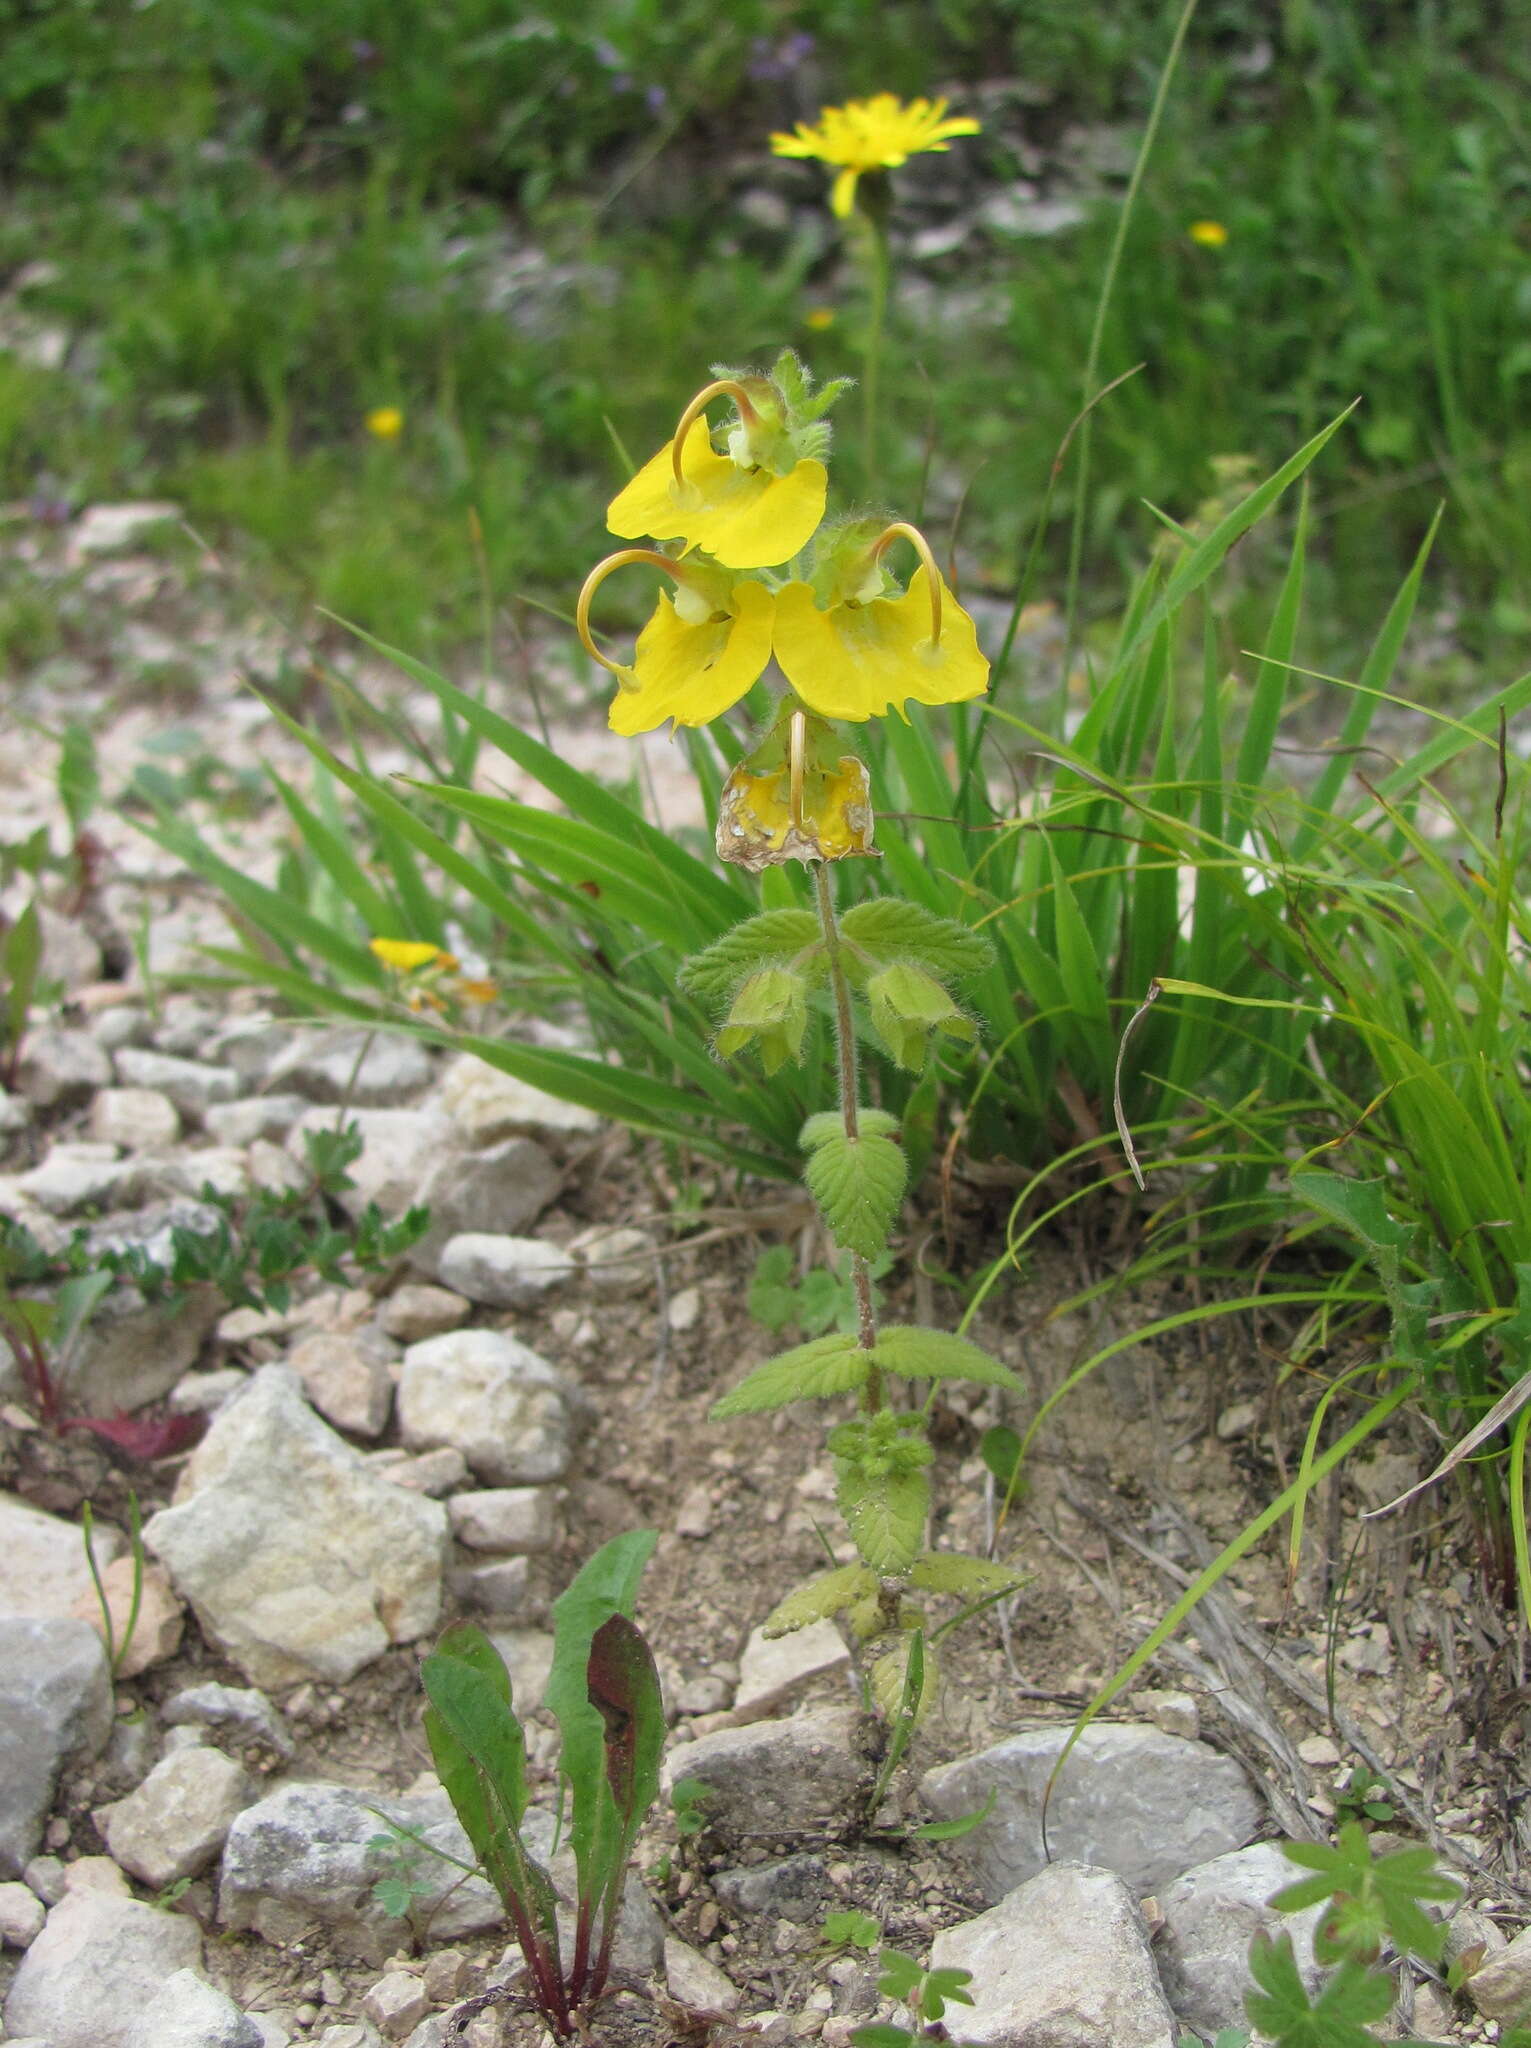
[(1280, 2007), (830, 1123), (858, 1184), (919, 1354), (809, 1372), (969, 1578), (774, 935), (1359, 1205), (885, 1513), (890, 928), (819, 1599)]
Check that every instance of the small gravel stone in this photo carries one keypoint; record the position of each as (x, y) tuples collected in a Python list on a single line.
[(396, 2004), (433, 1473), (137, 1119), (347, 1378), (192, 1085), (55, 1705), (1318, 1750), (45, 1875), (490, 1397), (695, 1981), (500, 1191), (486, 1104), (793, 1888), (60, 1067), (501, 1272), (1500, 1988), (75, 1177), (238, 1713), (685, 1310), (776, 1776), (1174, 1713), (511, 1519), (256, 1118), (22, 1915), (445, 1976), (399, 1148), (42, 1560), (188, 2012), (616, 1262), (773, 1671), (418, 1310), (498, 1588), (204, 1393), (374, 1070), (177, 1821)]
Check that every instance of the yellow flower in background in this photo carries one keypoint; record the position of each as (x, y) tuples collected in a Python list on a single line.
[(1209, 234), (746, 518), (407, 956), (820, 318), (700, 651), (385, 423), (865, 653), (877, 134)]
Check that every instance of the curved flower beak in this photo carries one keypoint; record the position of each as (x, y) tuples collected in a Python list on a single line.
[(688, 669), (743, 518), (857, 661)]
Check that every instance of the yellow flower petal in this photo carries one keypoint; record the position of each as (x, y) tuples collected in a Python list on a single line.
[(1211, 234), (862, 660), (755, 826), (744, 518), (877, 134), (842, 194), (385, 423), (405, 955), (695, 673)]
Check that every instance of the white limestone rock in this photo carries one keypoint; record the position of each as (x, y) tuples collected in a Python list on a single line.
[(188, 2012), (1211, 1915), (514, 1520), (194, 1086), (501, 1271), (298, 1561), (137, 1119), (157, 1625), (97, 1966), (55, 1707), (1129, 1799), (486, 1105), (773, 1671), (776, 1777), (494, 1399), (177, 1820), (1062, 1958), (347, 1377), (42, 1560)]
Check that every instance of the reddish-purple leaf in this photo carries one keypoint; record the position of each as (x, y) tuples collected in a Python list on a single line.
[(624, 1685), (141, 1436)]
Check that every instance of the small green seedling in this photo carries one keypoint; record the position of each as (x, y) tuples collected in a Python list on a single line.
[(927, 1993), (116, 1652), (604, 1694), (402, 1883), (851, 1930), (1362, 1798), (688, 1797)]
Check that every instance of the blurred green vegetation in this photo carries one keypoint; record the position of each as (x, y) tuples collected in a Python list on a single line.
[(257, 222)]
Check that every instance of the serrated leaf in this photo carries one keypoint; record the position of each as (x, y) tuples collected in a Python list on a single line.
[(830, 1123), (919, 1354), (1359, 1205), (968, 1578), (885, 1513), (775, 934), (893, 928), (858, 1184), (1280, 2007), (809, 1372), (819, 1599)]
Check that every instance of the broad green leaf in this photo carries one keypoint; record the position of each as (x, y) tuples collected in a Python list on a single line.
[(809, 1372), (819, 1599), (858, 1184), (775, 934), (891, 928), (607, 1584), (1000, 1449), (1359, 1205), (885, 1513), (79, 778), (918, 1354), (968, 1578)]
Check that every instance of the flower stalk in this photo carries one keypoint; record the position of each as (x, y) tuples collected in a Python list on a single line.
[(845, 1057)]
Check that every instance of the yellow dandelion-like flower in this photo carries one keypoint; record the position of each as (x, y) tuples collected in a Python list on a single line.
[(1208, 234), (819, 318), (385, 423), (877, 134), (408, 956)]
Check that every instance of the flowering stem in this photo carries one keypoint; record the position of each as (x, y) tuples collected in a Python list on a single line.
[(845, 1050), (874, 253)]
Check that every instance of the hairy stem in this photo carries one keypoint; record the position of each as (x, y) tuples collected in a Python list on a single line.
[(845, 1053)]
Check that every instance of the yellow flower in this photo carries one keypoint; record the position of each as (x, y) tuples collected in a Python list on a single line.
[(385, 423), (871, 135), (699, 652), (795, 799), (405, 956), (820, 318), (864, 655), (743, 514), (1210, 234)]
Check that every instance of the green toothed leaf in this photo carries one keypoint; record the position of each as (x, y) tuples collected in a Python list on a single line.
[(858, 1184), (809, 1372)]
